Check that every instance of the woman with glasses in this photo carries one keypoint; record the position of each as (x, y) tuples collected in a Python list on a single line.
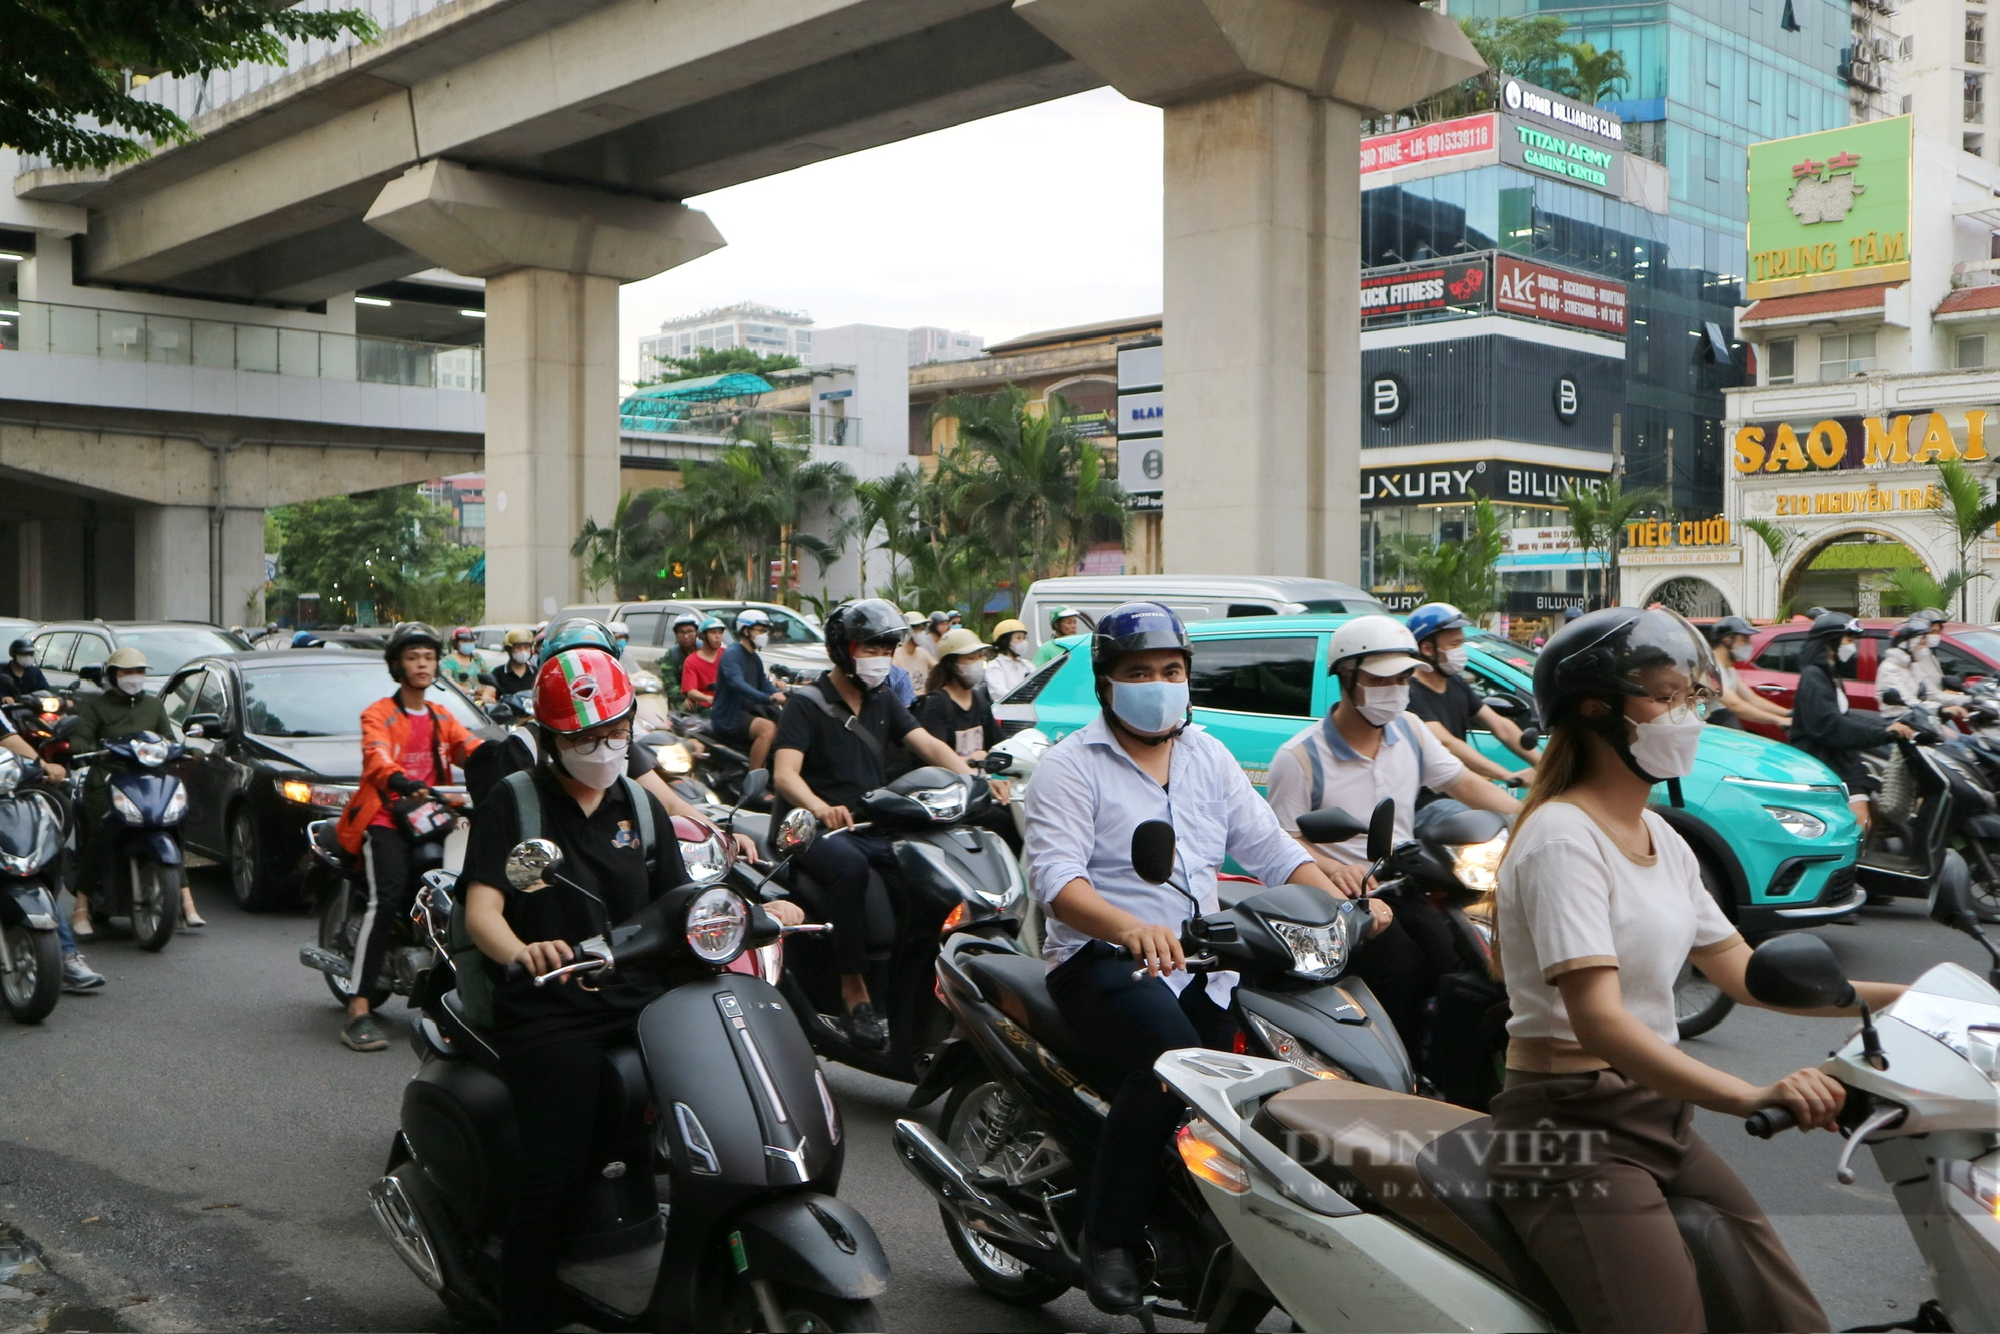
[(1600, 905)]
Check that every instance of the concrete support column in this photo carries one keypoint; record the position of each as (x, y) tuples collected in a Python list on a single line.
[(1263, 101), (553, 257), (170, 563)]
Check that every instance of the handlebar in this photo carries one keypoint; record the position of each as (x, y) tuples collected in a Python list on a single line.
[(1769, 1121), (1195, 964)]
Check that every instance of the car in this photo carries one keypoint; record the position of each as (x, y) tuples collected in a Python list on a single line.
[(797, 642), (1769, 824), (72, 653), (1969, 651), (273, 742), (1194, 597)]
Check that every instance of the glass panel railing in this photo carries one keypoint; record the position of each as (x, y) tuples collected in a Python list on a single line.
[(177, 340), (722, 422)]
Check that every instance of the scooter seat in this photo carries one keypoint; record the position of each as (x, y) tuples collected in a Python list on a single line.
[(465, 1035), (1018, 985)]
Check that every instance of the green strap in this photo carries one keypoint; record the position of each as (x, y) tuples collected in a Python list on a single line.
[(642, 807), (528, 803)]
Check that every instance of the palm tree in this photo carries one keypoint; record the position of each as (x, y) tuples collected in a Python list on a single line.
[(1967, 514), (1594, 73), (1463, 573), (888, 508), (1779, 539), (1598, 518)]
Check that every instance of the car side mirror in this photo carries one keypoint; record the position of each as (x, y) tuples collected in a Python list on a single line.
[(1332, 825), (531, 863), (1382, 830), (1507, 706), (1797, 972), (94, 675), (201, 724)]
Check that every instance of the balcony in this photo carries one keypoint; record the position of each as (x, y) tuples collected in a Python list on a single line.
[(222, 345), (1975, 111), (1975, 52)]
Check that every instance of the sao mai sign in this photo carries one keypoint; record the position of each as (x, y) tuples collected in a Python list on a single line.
[(1838, 443), (1830, 209)]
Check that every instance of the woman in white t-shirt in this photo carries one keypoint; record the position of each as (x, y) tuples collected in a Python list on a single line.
[(1600, 903)]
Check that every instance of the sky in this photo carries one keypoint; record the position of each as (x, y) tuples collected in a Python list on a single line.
[(1036, 219)]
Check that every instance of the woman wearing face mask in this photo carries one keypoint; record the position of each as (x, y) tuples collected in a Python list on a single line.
[(1600, 903), (1011, 663), (957, 709), (1823, 726), (1737, 705)]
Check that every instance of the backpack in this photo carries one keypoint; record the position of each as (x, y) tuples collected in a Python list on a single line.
[(473, 970)]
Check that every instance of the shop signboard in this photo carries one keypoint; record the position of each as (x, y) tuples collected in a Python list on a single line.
[(1142, 465), (1593, 125), (1568, 157), (1842, 444), (1429, 143), (1521, 287), (1499, 480), (1830, 209), (1408, 291), (1541, 602)]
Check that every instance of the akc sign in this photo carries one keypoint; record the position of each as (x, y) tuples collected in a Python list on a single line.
[(1542, 293)]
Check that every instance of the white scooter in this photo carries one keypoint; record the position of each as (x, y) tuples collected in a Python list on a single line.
[(1409, 1236)]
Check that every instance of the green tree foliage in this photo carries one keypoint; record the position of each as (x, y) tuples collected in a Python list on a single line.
[(720, 361), (1967, 515), (66, 66), (1911, 588), (1530, 48), (387, 548), (1595, 74), (1464, 573), (1598, 518)]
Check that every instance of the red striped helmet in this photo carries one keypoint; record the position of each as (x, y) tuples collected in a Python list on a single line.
[(582, 688)]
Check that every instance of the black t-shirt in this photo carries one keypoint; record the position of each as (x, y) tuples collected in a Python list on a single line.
[(1455, 707), (602, 853), (964, 730), (837, 765)]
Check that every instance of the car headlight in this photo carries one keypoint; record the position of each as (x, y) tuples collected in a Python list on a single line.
[(716, 922), (1292, 1051), (305, 792), (1798, 823), (673, 760), (707, 861), (1477, 865), (1317, 951), (126, 807), (942, 803), (177, 805), (152, 754)]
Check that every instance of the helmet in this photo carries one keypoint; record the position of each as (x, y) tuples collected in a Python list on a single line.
[(1432, 617), (1007, 627), (307, 639), (125, 659), (461, 632), (958, 640), (524, 637), (1601, 654), (913, 619), (19, 646), (864, 621), (750, 617), (1730, 625), (954, 614), (408, 635), (1910, 629), (1829, 626), (688, 618), (1061, 613), (1135, 627), (940, 617), (1373, 639), (577, 632), (712, 623), (581, 688), (1571, 612)]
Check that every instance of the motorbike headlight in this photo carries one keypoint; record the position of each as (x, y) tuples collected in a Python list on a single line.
[(1317, 951), (304, 792), (942, 803), (50, 704), (152, 754), (645, 683), (1292, 1051), (1477, 865), (126, 807), (177, 804), (1797, 823), (716, 922), (673, 760), (12, 771), (706, 861)]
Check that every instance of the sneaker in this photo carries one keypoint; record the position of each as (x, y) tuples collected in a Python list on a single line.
[(867, 1028), (362, 1033), (78, 976)]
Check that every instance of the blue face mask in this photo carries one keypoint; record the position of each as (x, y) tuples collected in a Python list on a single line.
[(1150, 707)]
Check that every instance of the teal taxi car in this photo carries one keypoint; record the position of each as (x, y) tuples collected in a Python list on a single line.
[(1769, 823)]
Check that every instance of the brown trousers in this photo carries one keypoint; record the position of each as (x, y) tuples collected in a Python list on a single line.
[(1591, 1167)]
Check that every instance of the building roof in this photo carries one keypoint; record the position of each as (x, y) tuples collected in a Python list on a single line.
[(1841, 301), (1967, 300), (1077, 333)]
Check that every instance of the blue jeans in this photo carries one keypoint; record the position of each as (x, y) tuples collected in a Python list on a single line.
[(63, 933)]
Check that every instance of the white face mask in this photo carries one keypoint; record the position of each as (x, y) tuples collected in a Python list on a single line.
[(517, 655), (132, 684), (972, 674), (1932, 641), (872, 672), (759, 639), (1847, 652), (599, 769), (1381, 705), (24, 659), (1452, 661), (1012, 648), (1920, 648), (1665, 748), (1740, 652)]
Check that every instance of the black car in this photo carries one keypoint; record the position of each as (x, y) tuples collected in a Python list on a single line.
[(73, 651), (274, 741)]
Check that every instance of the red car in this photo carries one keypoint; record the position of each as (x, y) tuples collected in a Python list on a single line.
[(1970, 651)]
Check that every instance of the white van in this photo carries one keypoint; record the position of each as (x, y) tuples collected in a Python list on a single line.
[(1194, 597)]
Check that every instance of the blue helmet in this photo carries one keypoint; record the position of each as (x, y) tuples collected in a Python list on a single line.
[(712, 623), (750, 618), (1432, 617), (1136, 627), (307, 639), (577, 632)]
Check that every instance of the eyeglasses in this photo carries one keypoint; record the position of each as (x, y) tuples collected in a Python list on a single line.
[(590, 745)]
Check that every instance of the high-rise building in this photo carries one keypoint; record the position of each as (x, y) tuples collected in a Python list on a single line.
[(930, 343), (1946, 76), (763, 329)]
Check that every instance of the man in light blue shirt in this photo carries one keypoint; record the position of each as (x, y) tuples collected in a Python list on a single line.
[(1141, 760)]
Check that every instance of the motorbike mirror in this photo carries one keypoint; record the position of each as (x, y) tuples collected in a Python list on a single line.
[(439, 881), (1332, 825), (1951, 892), (1153, 851), (1530, 737), (94, 675), (796, 831), (63, 726), (1797, 972), (1507, 706), (1382, 830), (1889, 695), (531, 863), (499, 712), (754, 784)]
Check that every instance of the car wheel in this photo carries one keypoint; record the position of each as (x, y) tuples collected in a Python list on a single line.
[(250, 878)]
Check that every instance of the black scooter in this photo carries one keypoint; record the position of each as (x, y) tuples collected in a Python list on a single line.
[(1020, 1129), (336, 884), (144, 869), (33, 823), (718, 1145)]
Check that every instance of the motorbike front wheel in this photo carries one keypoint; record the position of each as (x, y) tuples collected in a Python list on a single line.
[(802, 1309), (1982, 858), (1699, 1004), (30, 991), (988, 1130), (156, 902)]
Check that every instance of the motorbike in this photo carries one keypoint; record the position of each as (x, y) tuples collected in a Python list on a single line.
[(33, 824), (144, 869), (336, 883), (951, 877), (1024, 1116), (1931, 797), (1969, 751), (1356, 1208), (718, 1149)]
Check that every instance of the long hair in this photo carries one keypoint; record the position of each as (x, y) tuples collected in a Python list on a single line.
[(1565, 764), (943, 674)]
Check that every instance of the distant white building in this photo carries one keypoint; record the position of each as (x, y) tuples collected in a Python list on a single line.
[(763, 329), (930, 344)]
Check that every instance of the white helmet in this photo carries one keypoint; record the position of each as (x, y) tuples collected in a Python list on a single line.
[(1384, 645)]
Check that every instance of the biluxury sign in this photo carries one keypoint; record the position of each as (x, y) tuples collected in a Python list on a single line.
[(1543, 293), (1428, 143), (1462, 483), (1409, 291)]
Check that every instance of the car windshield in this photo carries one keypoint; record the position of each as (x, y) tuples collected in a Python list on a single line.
[(326, 698), (1983, 642), (785, 627), (167, 651), (1521, 659)]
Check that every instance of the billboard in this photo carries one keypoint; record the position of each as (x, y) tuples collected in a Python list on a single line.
[(1428, 143), (1830, 209), (1521, 287), (1410, 291)]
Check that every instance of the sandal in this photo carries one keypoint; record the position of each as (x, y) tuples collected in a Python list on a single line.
[(189, 917)]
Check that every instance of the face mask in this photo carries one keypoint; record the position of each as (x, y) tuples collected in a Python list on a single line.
[(1847, 652), (465, 646), (1382, 705), (24, 659), (1920, 648), (133, 684), (1150, 707), (972, 673), (761, 638), (1452, 661), (1012, 648), (872, 672), (1665, 747), (1932, 641), (620, 643), (1740, 652), (599, 769), (517, 654)]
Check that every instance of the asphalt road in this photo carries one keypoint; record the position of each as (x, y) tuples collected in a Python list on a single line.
[(190, 1147)]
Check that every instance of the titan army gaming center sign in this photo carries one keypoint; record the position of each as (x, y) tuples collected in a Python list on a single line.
[(1830, 210)]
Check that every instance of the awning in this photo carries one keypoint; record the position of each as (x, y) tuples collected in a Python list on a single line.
[(1969, 303), (1810, 306), (660, 407)]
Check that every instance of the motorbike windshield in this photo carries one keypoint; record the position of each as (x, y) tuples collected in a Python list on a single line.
[(30, 830), (326, 698)]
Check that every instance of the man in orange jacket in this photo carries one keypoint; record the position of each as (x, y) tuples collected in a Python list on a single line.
[(408, 744)]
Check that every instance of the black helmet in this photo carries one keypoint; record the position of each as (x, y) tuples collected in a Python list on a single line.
[(1571, 613), (1829, 626), (1731, 625), (1136, 627), (865, 621), (409, 635), (1910, 629), (1814, 613), (1600, 654), (19, 647)]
